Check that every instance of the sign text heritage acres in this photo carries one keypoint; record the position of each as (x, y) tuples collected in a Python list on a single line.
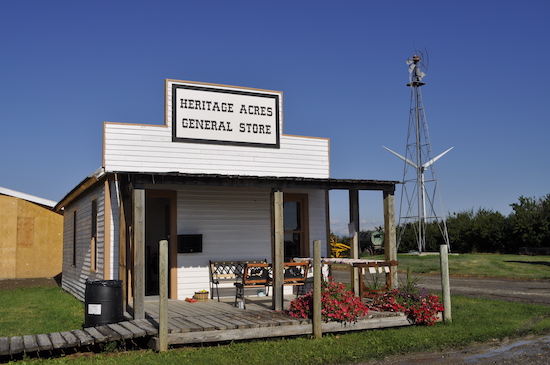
[(217, 115)]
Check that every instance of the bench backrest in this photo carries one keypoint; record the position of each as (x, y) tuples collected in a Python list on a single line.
[(228, 270), (295, 272), (257, 274)]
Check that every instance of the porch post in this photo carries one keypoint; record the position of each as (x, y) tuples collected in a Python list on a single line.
[(278, 250), (354, 230), (390, 242), (139, 253)]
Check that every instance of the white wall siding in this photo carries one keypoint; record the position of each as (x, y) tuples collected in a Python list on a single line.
[(74, 277), (235, 224), (141, 148)]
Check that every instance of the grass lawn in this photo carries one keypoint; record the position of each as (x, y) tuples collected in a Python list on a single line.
[(49, 309), (31, 311), (505, 266), (474, 320)]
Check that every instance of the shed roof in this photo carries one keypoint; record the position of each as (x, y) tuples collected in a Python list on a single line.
[(31, 198)]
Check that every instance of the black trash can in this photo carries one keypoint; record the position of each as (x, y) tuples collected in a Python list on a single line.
[(103, 302)]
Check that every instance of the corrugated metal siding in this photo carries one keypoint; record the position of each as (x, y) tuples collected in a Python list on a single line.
[(150, 149), (74, 277)]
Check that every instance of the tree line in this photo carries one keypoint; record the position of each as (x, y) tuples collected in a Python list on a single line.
[(485, 230)]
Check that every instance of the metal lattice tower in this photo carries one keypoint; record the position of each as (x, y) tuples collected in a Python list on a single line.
[(420, 190)]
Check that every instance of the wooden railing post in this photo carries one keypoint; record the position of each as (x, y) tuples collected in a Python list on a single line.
[(445, 283), (317, 325), (278, 250), (139, 253), (163, 295)]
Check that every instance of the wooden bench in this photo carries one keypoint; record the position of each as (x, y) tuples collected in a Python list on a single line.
[(256, 275), (227, 272)]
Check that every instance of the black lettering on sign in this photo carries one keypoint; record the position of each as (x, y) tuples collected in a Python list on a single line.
[(254, 128), (256, 110), (207, 105), (206, 124)]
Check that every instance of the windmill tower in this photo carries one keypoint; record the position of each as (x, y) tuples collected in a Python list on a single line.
[(420, 191)]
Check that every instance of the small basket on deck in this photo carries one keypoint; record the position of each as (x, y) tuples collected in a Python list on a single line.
[(201, 296)]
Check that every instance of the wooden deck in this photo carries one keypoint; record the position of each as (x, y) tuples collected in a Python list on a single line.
[(199, 322)]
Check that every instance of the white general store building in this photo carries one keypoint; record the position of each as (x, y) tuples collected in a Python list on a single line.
[(219, 180)]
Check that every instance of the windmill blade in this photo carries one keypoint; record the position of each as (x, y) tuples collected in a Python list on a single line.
[(427, 164), (403, 158)]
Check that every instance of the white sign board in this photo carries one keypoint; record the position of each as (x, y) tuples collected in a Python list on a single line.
[(225, 115)]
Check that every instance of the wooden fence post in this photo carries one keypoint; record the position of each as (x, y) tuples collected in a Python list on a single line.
[(445, 283), (317, 272), (163, 295)]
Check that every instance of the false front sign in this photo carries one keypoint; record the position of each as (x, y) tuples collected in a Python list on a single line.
[(225, 115)]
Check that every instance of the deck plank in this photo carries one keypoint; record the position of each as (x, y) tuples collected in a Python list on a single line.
[(109, 333), (16, 345), (124, 333), (4, 346), (83, 338), (136, 331), (183, 326), (203, 324), (145, 325), (218, 325), (58, 342), (30, 344), (70, 339), (44, 342), (96, 335)]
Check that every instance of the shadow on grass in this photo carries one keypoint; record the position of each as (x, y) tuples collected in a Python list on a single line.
[(543, 263)]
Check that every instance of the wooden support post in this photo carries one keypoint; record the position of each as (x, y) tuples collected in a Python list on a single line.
[(139, 252), (390, 241), (354, 232), (445, 283), (317, 272), (163, 295), (278, 250)]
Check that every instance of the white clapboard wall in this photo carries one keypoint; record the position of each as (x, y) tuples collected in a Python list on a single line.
[(235, 224), (150, 148)]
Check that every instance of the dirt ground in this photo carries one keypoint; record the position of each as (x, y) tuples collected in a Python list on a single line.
[(10, 284)]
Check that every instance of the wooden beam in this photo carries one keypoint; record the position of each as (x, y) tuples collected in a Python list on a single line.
[(163, 296), (445, 283), (107, 231), (354, 249), (317, 306), (390, 241), (278, 250), (139, 253)]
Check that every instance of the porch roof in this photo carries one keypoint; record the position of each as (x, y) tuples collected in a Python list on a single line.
[(274, 182)]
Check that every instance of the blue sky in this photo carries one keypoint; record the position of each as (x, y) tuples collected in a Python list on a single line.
[(68, 66)]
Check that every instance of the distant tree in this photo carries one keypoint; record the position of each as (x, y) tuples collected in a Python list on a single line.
[(530, 222), (459, 226), (486, 230), (489, 231)]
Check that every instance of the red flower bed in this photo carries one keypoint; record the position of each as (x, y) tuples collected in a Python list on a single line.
[(337, 304), (421, 308)]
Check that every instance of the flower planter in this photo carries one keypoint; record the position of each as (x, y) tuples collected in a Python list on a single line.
[(201, 296)]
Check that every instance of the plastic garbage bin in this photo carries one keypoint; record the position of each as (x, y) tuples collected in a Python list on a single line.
[(103, 302)]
